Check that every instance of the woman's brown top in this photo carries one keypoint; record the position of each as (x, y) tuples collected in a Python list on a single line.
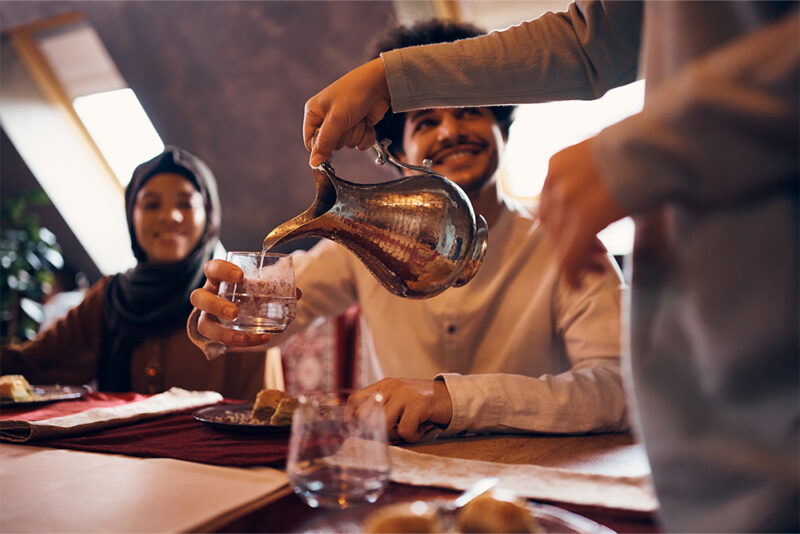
[(68, 353)]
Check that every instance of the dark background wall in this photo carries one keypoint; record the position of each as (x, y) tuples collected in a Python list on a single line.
[(227, 81)]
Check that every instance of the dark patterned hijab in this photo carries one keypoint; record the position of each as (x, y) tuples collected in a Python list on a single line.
[(153, 298)]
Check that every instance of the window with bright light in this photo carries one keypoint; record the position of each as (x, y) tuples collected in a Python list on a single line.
[(120, 128), (85, 135), (541, 130), (81, 130)]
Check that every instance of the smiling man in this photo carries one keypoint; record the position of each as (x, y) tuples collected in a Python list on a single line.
[(515, 349), (464, 144)]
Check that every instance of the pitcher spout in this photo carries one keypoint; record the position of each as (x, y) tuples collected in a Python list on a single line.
[(299, 226)]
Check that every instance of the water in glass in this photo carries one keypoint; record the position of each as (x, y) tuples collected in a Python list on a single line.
[(266, 296)]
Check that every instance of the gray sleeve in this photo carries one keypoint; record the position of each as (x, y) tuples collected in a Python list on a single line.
[(723, 130), (577, 54)]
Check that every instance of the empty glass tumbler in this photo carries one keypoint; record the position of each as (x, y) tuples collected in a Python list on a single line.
[(338, 453)]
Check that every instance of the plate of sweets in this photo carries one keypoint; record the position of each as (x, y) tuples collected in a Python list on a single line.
[(271, 413), (495, 511), (16, 392)]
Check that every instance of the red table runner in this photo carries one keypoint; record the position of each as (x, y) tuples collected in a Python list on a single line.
[(176, 435), (182, 437)]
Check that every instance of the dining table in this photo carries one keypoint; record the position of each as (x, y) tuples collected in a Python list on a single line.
[(127, 462)]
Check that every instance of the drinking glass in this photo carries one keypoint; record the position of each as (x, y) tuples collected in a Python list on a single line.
[(266, 296), (338, 455)]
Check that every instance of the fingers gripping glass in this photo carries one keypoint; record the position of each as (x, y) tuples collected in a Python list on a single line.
[(266, 296)]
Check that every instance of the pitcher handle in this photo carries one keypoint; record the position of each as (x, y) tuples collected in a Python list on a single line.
[(384, 155)]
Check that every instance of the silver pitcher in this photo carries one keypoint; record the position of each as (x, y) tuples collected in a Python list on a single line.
[(418, 235)]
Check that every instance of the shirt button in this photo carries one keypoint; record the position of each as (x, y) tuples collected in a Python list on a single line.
[(451, 329)]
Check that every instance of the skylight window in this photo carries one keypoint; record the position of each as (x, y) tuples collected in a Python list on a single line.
[(79, 128), (120, 128)]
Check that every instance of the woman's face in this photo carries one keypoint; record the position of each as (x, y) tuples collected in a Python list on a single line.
[(168, 217)]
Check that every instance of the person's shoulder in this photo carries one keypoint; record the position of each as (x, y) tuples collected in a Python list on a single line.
[(99, 286), (97, 291)]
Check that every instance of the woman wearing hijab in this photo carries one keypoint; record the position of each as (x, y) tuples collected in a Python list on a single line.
[(129, 333)]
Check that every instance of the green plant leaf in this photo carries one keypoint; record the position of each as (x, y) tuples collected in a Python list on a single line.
[(37, 197), (28, 254)]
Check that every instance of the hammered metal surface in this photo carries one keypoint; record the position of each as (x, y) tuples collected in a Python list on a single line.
[(418, 235)]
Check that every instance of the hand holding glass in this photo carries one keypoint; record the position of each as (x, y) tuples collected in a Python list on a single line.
[(338, 454), (266, 296)]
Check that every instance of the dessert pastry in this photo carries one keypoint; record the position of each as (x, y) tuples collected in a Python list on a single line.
[(16, 388), (417, 516), (284, 411), (496, 511), (267, 401)]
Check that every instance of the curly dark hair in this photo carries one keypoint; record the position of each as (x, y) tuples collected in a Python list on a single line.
[(432, 31)]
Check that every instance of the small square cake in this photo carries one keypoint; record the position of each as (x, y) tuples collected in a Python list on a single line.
[(16, 388), (284, 411), (266, 402)]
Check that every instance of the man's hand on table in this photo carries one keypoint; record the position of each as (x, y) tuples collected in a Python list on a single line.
[(411, 406)]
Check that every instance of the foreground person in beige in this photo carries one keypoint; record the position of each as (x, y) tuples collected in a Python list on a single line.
[(513, 350), (709, 170), (129, 333)]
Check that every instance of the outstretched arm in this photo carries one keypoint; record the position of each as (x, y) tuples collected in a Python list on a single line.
[(324, 272), (581, 53)]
